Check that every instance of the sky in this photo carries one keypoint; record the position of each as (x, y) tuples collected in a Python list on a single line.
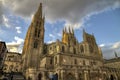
[(98, 17)]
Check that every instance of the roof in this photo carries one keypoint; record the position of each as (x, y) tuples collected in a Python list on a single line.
[(112, 60), (13, 53), (3, 43)]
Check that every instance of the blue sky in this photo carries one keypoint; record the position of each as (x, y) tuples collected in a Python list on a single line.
[(101, 18)]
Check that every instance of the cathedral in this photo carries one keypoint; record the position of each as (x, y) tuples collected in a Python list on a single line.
[(66, 59)]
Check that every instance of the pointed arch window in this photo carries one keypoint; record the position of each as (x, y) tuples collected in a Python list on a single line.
[(35, 32), (91, 49), (63, 49), (35, 44), (81, 49), (75, 61), (74, 51), (55, 59), (51, 61), (38, 33), (84, 62), (37, 23)]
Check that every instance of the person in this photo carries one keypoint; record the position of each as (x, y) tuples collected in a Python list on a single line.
[(111, 77), (4, 78), (39, 76), (56, 76)]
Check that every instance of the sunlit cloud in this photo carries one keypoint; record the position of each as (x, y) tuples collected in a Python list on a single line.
[(16, 45), (109, 49)]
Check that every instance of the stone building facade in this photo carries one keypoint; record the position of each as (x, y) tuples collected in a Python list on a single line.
[(112, 63), (3, 50), (66, 58), (12, 62)]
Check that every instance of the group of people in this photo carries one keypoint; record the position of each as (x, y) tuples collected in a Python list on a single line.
[(54, 77)]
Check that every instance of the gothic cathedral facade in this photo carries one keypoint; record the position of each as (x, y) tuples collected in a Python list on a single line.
[(68, 59)]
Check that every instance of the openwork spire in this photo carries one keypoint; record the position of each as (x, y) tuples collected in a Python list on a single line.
[(116, 56), (39, 11)]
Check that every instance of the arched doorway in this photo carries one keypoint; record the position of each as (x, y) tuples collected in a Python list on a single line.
[(29, 78), (80, 76), (70, 76), (111, 77), (105, 77), (55, 76), (39, 76)]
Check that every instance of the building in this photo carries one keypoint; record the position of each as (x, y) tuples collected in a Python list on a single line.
[(113, 63), (3, 50), (67, 59), (12, 62)]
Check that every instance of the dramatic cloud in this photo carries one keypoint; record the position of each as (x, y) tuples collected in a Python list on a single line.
[(109, 49), (6, 21), (71, 11), (1, 12), (16, 45)]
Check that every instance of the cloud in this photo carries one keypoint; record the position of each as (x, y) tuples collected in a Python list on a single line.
[(1, 12), (102, 45), (72, 12), (59, 34), (16, 45), (74, 25), (109, 49), (50, 41), (116, 45), (6, 21), (51, 35), (18, 30)]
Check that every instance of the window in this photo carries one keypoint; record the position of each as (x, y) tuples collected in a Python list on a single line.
[(83, 62), (9, 59), (63, 49), (81, 49), (37, 23), (11, 67), (35, 32), (5, 68), (75, 61), (54, 46), (35, 44), (56, 60), (50, 48), (74, 51), (91, 49), (16, 70), (38, 33), (51, 60)]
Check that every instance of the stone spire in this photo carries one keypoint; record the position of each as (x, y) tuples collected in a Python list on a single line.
[(34, 41), (39, 11), (72, 31), (115, 53)]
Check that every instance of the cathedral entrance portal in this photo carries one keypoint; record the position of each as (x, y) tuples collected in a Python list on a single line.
[(39, 76), (112, 77), (70, 76)]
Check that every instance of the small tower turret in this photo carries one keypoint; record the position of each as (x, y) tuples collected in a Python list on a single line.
[(115, 53)]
